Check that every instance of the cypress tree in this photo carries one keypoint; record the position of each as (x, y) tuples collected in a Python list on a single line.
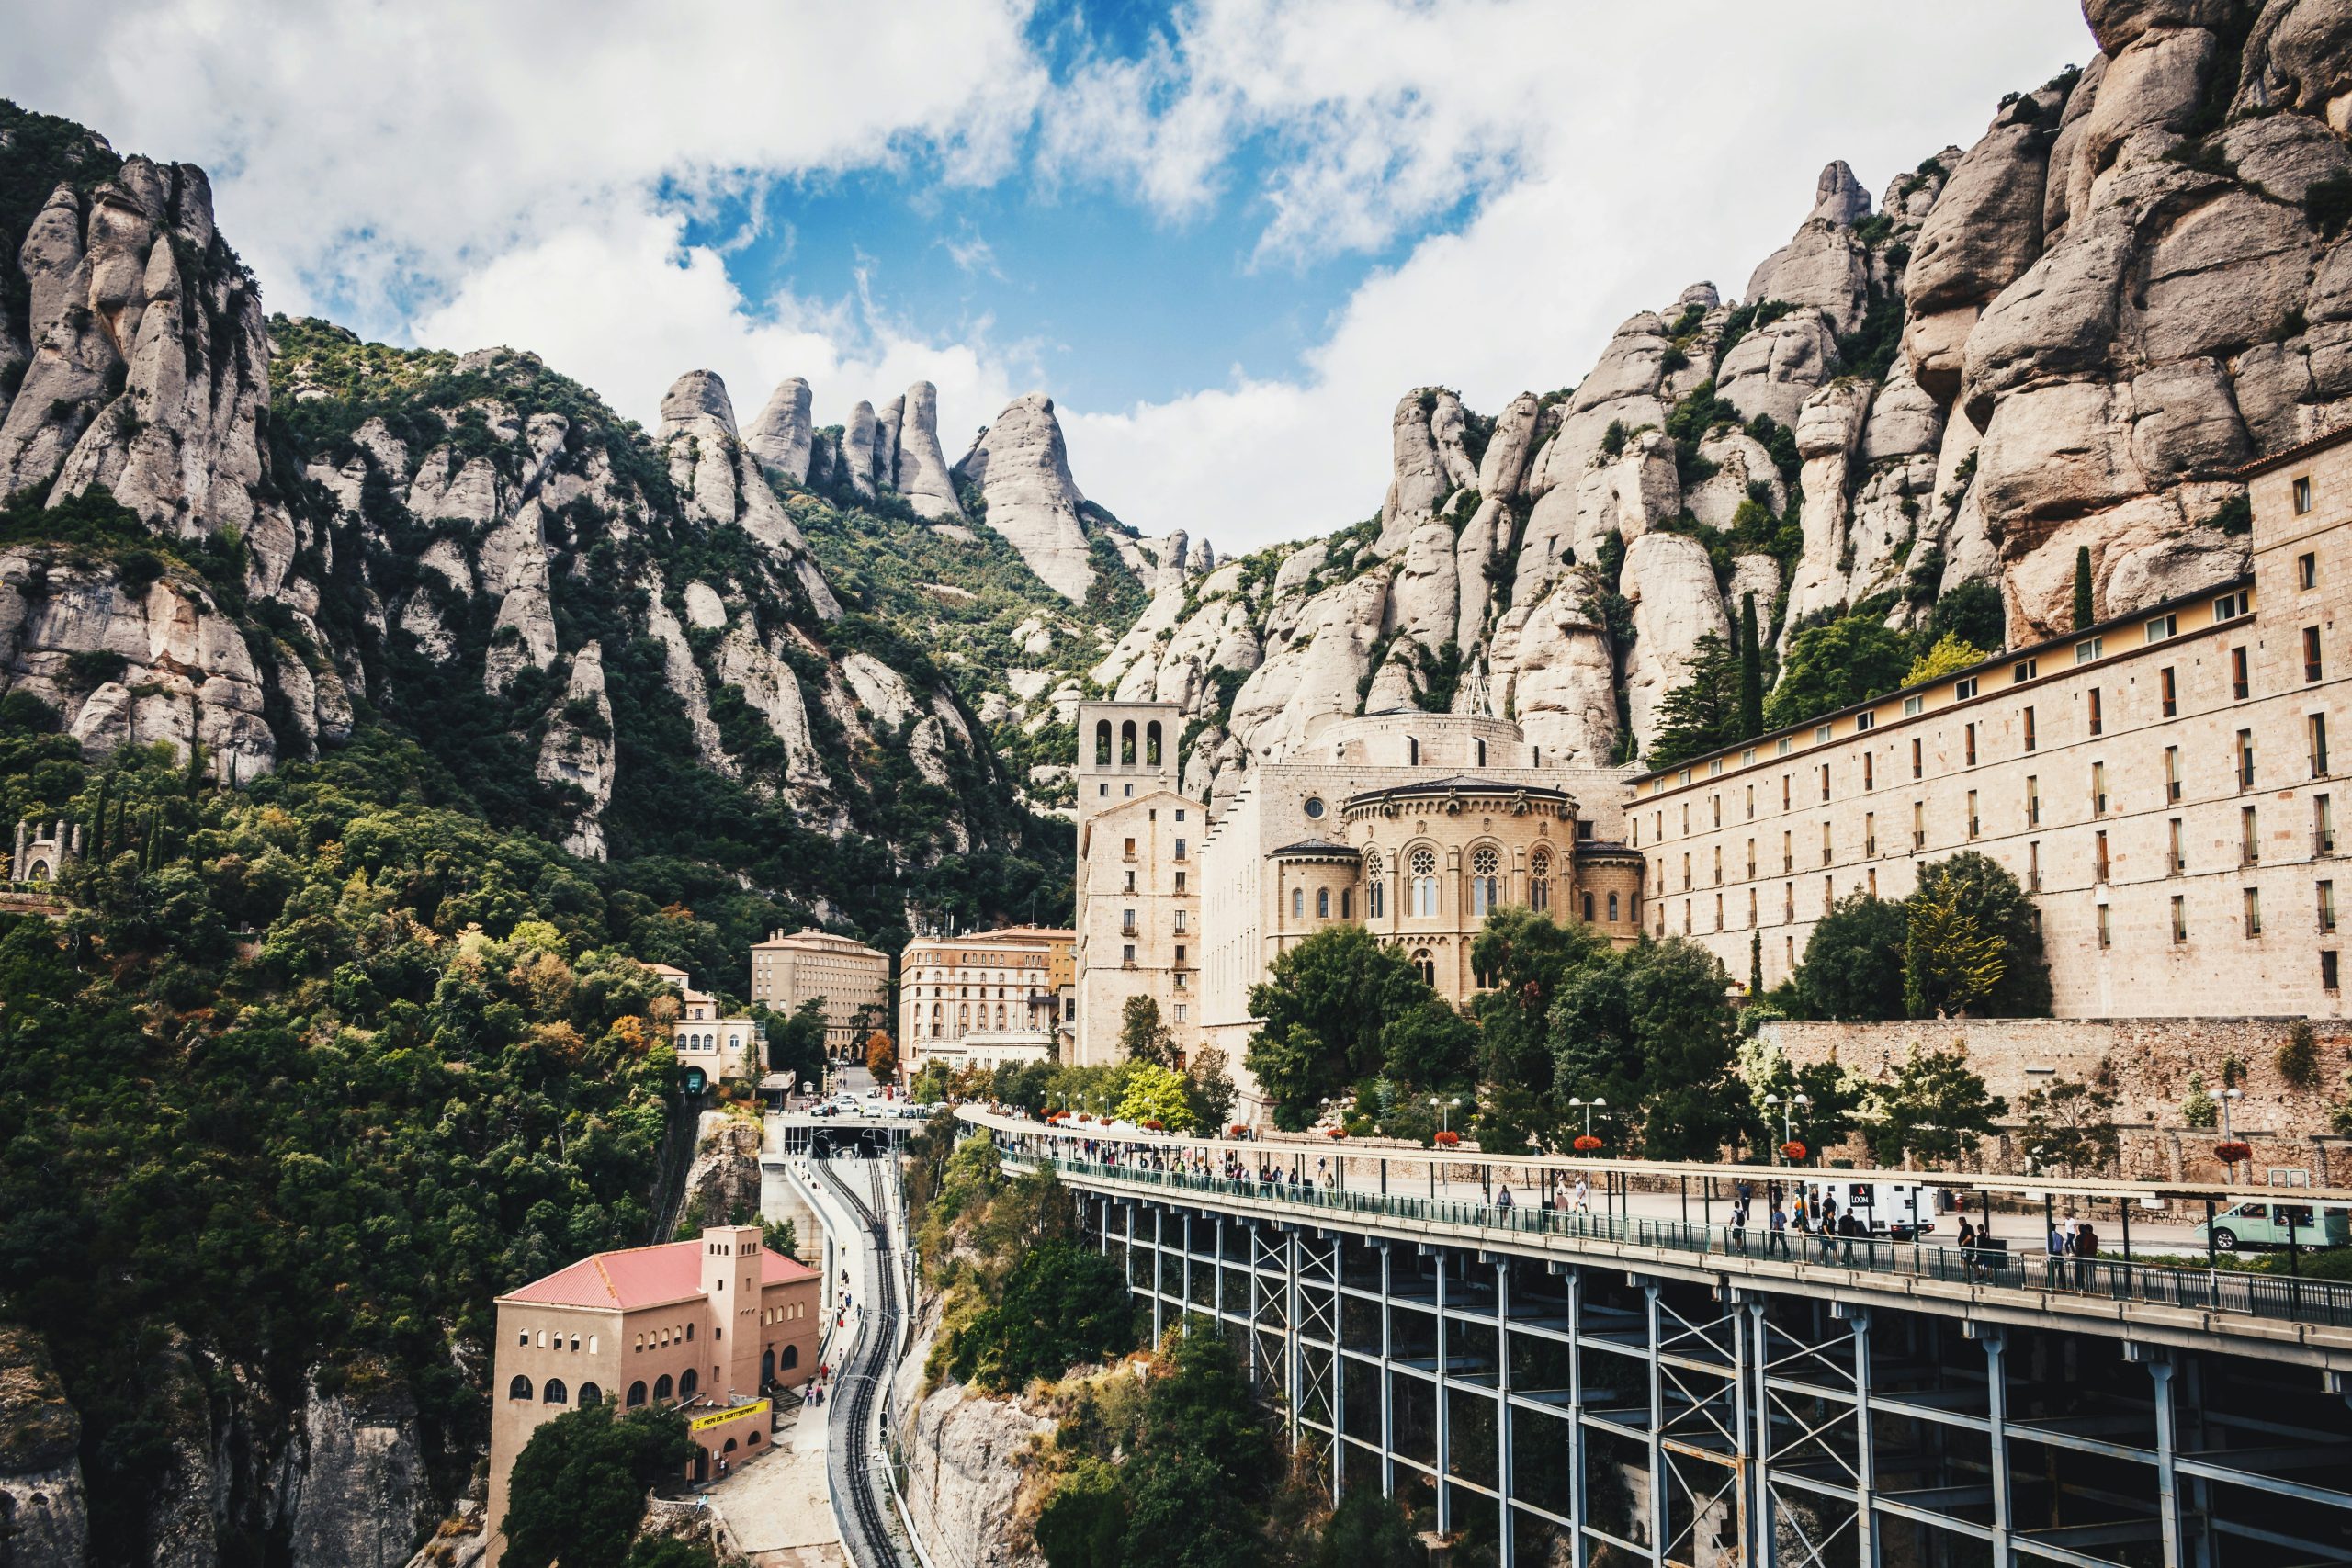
[(2082, 587), (98, 821), (1756, 955), (1751, 672)]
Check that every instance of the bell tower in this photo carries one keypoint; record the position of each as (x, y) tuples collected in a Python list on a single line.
[(1125, 751)]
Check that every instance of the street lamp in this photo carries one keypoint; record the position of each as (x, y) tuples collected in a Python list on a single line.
[(1596, 1103), (1445, 1109), (2229, 1098), (1788, 1116)]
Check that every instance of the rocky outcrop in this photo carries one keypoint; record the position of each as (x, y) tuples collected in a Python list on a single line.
[(967, 1460), (147, 368), (129, 662), (1827, 267), (577, 750), (355, 1495), (721, 482), (784, 435), (1672, 587), (44, 1514), (920, 468), (723, 1183), (1020, 467)]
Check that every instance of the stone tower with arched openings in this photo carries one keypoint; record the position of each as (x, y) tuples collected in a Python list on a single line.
[(1126, 750)]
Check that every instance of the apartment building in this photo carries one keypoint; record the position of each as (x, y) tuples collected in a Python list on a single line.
[(985, 998), (1138, 895), (849, 979), (710, 1048), (2165, 784)]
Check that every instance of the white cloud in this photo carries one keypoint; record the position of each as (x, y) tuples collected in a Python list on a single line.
[(519, 173)]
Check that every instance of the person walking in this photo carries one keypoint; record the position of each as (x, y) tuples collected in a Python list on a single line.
[(1967, 1247), (1827, 1227), (1777, 1241), (1503, 1202), (2086, 1255), (1739, 1226), (1584, 1194)]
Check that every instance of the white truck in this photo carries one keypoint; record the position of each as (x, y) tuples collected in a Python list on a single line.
[(1897, 1209)]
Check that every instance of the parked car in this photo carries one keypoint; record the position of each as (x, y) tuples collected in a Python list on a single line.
[(2267, 1223)]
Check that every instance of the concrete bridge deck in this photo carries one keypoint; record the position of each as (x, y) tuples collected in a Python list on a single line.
[(1564, 1387)]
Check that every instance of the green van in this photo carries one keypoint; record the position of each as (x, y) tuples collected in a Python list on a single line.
[(2263, 1224)]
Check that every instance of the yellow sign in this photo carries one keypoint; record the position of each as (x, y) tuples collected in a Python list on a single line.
[(720, 1419)]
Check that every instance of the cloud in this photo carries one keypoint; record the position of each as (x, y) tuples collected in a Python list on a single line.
[(1523, 174)]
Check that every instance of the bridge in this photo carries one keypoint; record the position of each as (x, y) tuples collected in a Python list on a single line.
[(1586, 1387)]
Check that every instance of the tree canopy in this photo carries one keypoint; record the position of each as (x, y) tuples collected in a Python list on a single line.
[(1328, 1005), (1853, 964), (1835, 665), (579, 1485)]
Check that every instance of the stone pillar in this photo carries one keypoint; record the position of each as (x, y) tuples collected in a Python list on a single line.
[(17, 860)]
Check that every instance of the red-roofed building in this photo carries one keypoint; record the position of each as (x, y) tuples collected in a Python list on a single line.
[(712, 1326)]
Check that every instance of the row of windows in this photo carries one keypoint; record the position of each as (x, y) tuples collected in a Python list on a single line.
[(2096, 717), (524, 1338), (689, 1383), (1151, 744)]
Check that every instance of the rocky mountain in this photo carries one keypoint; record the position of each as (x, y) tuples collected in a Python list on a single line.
[(2067, 337), (250, 535)]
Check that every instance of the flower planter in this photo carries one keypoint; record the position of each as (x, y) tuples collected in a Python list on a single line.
[(1586, 1144), (1793, 1151)]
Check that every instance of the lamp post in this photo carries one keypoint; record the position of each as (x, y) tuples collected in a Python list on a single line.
[(2230, 1097), (1788, 1117), (1445, 1109), (1596, 1103)]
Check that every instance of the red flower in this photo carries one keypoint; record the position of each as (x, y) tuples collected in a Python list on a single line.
[(1586, 1142), (1793, 1149), (1335, 1132), (1154, 1125), (2232, 1151), (1237, 1131), (1448, 1139)]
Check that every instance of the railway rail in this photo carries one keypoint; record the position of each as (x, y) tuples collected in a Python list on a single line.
[(864, 1371)]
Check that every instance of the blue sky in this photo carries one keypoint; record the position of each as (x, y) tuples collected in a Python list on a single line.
[(1226, 235)]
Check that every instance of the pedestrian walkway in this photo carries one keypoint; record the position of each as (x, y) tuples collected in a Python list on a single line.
[(778, 1505)]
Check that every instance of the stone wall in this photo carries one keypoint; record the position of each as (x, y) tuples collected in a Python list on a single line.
[(2146, 1061)]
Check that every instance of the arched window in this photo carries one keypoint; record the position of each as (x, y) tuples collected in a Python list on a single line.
[(690, 1331), (1127, 744), (637, 1393), (1424, 884), (1588, 908), (999, 1015), (555, 1393), (590, 1394), (1482, 753), (1322, 903), (1612, 906), (1103, 743), (1539, 882), (1412, 752), (1152, 743), (1425, 966), (519, 1389), (1485, 882), (963, 1018), (727, 1447), (791, 1357), (1375, 892), (592, 1344), (661, 1386), (688, 1381), (1298, 902)]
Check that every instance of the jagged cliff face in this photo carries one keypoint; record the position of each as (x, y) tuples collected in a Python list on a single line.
[(2067, 337), (470, 547)]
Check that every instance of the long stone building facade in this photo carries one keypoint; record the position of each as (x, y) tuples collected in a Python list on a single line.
[(2165, 784)]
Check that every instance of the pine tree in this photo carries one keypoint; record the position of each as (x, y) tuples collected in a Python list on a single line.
[(1751, 672), (2082, 587), (1703, 712)]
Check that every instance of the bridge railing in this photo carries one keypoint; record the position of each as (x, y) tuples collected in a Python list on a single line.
[(2317, 1302)]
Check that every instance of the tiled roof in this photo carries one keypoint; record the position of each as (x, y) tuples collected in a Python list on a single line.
[(2300, 449), (1317, 847), (642, 1276), (1463, 783)]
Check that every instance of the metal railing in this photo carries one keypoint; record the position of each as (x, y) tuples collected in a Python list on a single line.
[(2318, 1301)]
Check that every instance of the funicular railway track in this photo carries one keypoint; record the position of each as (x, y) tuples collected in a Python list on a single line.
[(862, 1375)]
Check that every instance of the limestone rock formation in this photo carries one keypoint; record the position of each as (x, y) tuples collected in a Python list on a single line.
[(1020, 467), (577, 750), (1672, 587), (920, 468), (44, 1513), (784, 435), (357, 1491)]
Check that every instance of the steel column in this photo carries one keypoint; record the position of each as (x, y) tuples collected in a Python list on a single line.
[(1294, 1378), (1338, 1401), (1158, 1273), (1768, 1532), (1444, 1434), (1865, 1454), (1184, 1289), (1508, 1556), (1658, 1427), (2168, 1449), (1388, 1370), (1578, 1547), (1997, 1387)]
